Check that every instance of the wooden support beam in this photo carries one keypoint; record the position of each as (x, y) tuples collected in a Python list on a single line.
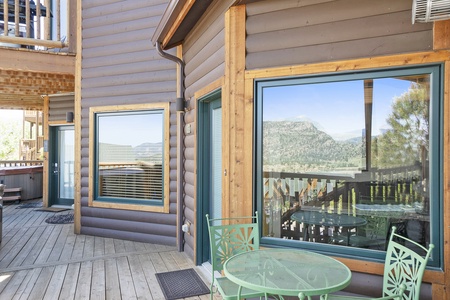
[(33, 61), (441, 35), (77, 123), (236, 140), (17, 101)]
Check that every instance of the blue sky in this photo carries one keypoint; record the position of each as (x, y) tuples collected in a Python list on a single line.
[(338, 106), (131, 129)]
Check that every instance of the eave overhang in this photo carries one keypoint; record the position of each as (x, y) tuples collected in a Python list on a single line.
[(179, 19)]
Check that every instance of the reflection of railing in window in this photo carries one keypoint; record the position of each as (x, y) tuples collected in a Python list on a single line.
[(131, 180), (400, 188), (67, 188), (394, 185), (25, 22)]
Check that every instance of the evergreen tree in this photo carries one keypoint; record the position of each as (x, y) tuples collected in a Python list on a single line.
[(405, 143)]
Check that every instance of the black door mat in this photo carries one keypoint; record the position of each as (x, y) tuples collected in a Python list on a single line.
[(181, 284), (30, 205), (60, 219)]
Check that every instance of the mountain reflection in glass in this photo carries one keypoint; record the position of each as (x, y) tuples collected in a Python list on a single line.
[(355, 147)]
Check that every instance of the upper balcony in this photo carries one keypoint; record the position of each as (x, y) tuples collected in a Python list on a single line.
[(38, 42), (48, 24)]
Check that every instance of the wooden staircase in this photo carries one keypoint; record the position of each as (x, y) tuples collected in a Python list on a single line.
[(12, 194)]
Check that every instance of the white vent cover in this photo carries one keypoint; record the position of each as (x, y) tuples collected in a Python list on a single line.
[(430, 10)]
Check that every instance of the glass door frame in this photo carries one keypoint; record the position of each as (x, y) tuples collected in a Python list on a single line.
[(54, 158), (206, 105)]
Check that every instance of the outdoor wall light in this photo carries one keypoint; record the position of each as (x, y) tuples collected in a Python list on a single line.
[(69, 117)]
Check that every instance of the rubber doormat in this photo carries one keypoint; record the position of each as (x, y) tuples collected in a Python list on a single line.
[(60, 219), (181, 284)]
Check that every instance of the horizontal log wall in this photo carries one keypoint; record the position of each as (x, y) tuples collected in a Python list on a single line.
[(284, 32), (59, 105), (120, 66), (204, 55)]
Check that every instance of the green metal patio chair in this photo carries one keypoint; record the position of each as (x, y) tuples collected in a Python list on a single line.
[(403, 270), (228, 237)]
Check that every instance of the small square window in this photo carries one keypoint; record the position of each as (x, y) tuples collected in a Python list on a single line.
[(130, 156)]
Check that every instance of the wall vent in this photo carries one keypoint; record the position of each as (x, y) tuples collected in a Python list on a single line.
[(430, 10)]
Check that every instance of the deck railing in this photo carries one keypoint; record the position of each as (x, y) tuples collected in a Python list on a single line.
[(35, 24), (19, 163)]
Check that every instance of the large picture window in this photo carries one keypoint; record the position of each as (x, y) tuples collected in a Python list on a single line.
[(343, 158), (130, 155)]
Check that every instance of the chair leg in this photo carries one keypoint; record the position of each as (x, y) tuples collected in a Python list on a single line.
[(211, 288)]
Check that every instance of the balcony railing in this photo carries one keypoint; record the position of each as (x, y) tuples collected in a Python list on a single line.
[(19, 163), (39, 24)]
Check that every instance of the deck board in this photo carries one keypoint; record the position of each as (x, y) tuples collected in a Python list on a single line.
[(56, 282), (48, 261), (49, 246), (83, 288), (138, 276), (112, 280), (98, 287), (70, 281)]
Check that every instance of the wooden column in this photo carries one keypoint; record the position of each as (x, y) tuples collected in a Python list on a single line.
[(236, 137), (441, 35), (45, 165), (77, 125)]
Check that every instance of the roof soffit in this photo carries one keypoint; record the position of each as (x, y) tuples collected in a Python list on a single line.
[(178, 20)]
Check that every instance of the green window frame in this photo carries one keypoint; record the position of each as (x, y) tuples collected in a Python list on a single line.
[(266, 181), (130, 159)]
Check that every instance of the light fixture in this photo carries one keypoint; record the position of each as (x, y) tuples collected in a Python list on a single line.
[(69, 117)]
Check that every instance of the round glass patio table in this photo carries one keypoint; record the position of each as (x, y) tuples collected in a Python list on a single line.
[(287, 272), (327, 219), (320, 218)]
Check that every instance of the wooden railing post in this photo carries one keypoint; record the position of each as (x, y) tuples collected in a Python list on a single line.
[(37, 33), (5, 18)]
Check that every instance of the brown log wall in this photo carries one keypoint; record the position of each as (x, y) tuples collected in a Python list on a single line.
[(120, 66)]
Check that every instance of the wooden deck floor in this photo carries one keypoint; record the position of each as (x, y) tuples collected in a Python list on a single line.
[(48, 261)]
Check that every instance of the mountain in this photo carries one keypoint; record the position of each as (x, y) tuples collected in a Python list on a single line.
[(301, 143), (149, 152)]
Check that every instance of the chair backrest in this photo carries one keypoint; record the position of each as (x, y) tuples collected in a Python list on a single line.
[(230, 236), (404, 266)]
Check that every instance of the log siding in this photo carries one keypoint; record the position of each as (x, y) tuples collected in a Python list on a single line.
[(283, 33), (120, 66)]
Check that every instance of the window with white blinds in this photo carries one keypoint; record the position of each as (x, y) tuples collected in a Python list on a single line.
[(130, 156)]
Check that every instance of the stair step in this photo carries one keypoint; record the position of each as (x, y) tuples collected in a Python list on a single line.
[(12, 194), (11, 198), (12, 190)]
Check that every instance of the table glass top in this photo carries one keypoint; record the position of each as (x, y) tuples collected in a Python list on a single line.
[(288, 272), (327, 219)]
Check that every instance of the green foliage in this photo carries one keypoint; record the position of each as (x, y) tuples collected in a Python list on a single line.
[(10, 135), (406, 142)]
